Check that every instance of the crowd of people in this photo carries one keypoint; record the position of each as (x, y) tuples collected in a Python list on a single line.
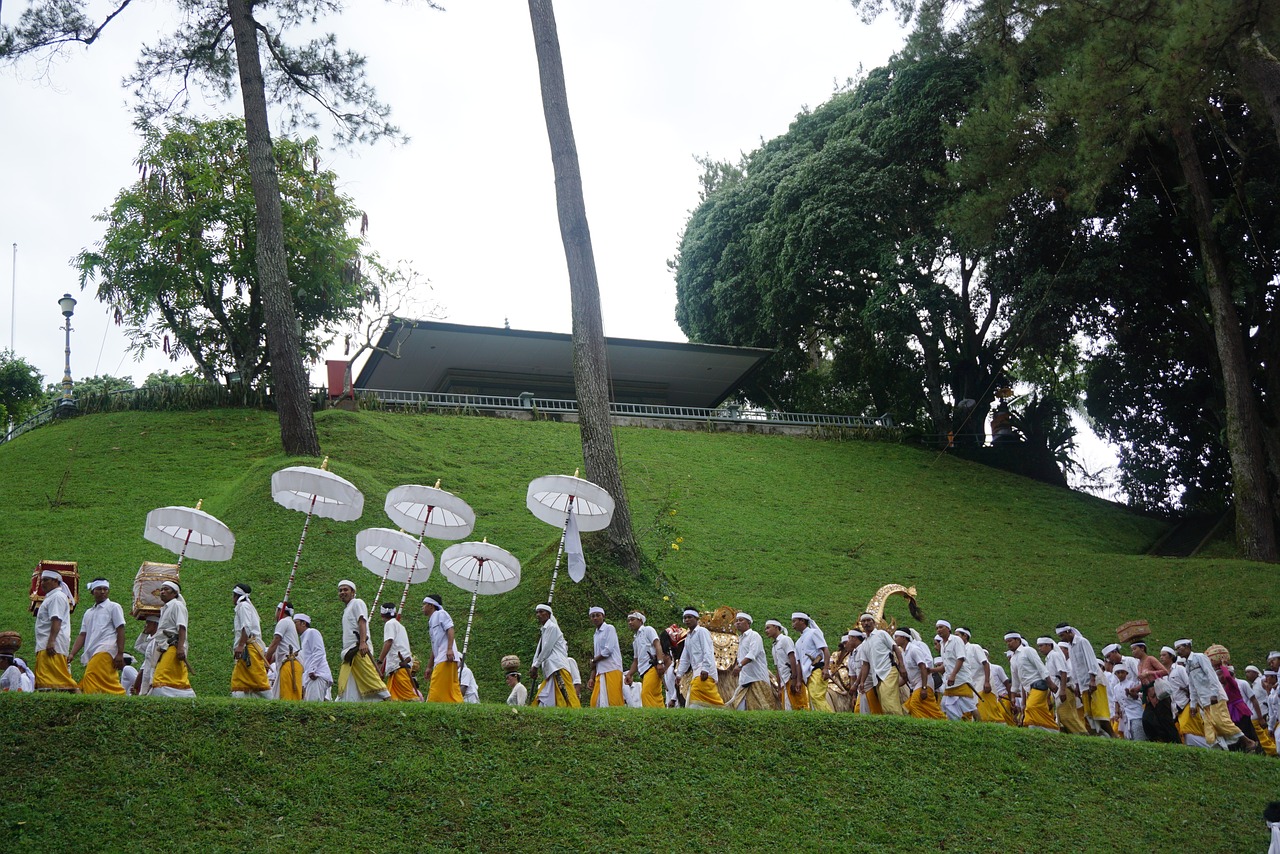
[(1058, 683)]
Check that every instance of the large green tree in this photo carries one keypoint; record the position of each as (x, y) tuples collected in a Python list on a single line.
[(219, 45), (19, 388), (178, 259)]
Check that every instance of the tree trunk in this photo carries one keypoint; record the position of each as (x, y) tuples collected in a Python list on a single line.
[(1255, 519), (590, 365), (293, 398)]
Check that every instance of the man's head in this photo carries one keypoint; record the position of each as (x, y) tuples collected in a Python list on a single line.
[(1168, 655), (301, 622), (388, 611), (635, 620), (963, 634), (101, 589), (168, 591), (943, 629), (902, 638), (1065, 632), (543, 613), (1273, 660), (1139, 649), (1111, 654), (1012, 640), (773, 629), (1183, 647), (1045, 645), (868, 623), (690, 618), (742, 622), (596, 615), (346, 591), (49, 579), (432, 603), (1270, 679)]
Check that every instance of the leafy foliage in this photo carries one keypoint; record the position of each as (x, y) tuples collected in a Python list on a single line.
[(179, 254), (20, 391)]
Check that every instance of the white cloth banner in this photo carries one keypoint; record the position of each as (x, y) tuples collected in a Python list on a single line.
[(573, 548)]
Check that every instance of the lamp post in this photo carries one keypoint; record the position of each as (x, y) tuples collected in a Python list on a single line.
[(67, 406)]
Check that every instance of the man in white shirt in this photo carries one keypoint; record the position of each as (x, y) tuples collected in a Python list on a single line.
[(102, 640), (882, 670), (283, 656), (1209, 700), (128, 674), (1070, 711), (148, 655), (815, 659), (358, 679), (917, 659), (470, 690), (551, 658), (53, 635), (959, 701), (446, 679), (1087, 674), (172, 676), (794, 695), (249, 671), (317, 678), (648, 663), (1128, 701), (699, 660), (1190, 727), (1030, 683), (395, 659), (605, 681), (752, 669), (11, 675)]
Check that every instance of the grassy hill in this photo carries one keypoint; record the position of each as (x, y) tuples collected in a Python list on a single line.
[(763, 523)]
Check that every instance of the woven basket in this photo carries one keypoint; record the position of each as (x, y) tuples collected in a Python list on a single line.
[(146, 603), (1133, 630), (10, 642), (510, 663), (1218, 654), (70, 574)]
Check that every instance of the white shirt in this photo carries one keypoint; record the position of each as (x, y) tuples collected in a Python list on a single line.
[(953, 650), (287, 631), (974, 657), (438, 626), (916, 654), (1025, 669), (605, 642), (393, 630), (246, 620), (1179, 695), (173, 616), (552, 654), (642, 649), (783, 647), (54, 606), (571, 665), (879, 648), (1130, 707), (808, 647), (1084, 664), (751, 646), (311, 646), (11, 679), (128, 676), (998, 678), (1202, 680), (519, 695), (470, 691), (355, 611), (98, 625), (1056, 664), (699, 654)]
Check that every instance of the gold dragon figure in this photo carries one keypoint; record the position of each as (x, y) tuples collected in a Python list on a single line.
[(876, 606)]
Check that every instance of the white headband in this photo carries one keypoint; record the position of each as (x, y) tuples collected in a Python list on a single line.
[(1049, 641), (942, 623), (303, 617), (1170, 650), (433, 599), (857, 634), (1110, 648), (239, 591), (51, 574), (172, 585), (964, 631), (800, 615), (1012, 635), (595, 609), (901, 634), (1065, 629), (284, 609), (1064, 644), (99, 582), (689, 612), (743, 615), (636, 615), (388, 610), (1273, 654), (1253, 668), (866, 617), (541, 606), (345, 583), (768, 623), (1182, 641), (1267, 673)]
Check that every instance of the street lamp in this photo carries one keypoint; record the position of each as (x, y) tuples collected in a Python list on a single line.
[(67, 405)]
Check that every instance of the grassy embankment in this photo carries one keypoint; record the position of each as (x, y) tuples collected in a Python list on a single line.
[(766, 524)]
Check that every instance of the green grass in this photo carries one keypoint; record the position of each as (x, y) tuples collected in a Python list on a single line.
[(765, 524)]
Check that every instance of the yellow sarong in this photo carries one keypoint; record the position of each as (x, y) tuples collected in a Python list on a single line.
[(365, 672), (445, 687), (401, 685), (887, 694), (1096, 704), (101, 676), (567, 698), (52, 672), (252, 677), (925, 708), (651, 690), (797, 700), (289, 679), (170, 672), (704, 692), (1218, 723), (1265, 741), (990, 709), (817, 686), (1037, 712), (1189, 724), (1071, 716), (613, 689)]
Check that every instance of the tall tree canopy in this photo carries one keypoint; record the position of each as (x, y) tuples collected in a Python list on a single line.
[(19, 388), (177, 262)]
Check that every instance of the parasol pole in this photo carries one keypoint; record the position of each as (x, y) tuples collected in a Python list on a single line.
[(377, 598), (560, 551), (426, 520), (324, 466), (466, 639), (183, 553)]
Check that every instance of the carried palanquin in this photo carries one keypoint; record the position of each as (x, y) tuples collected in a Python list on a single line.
[(146, 603), (70, 576)]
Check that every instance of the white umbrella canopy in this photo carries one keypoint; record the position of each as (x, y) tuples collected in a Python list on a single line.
[(316, 491), (480, 568), (390, 554), (430, 512), (190, 532), (550, 497)]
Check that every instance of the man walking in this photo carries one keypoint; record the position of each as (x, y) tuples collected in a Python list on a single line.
[(102, 640)]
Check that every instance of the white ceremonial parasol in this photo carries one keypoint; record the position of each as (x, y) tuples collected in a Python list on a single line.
[(189, 531), (479, 568), (391, 555), (316, 492), (574, 505), (431, 511)]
